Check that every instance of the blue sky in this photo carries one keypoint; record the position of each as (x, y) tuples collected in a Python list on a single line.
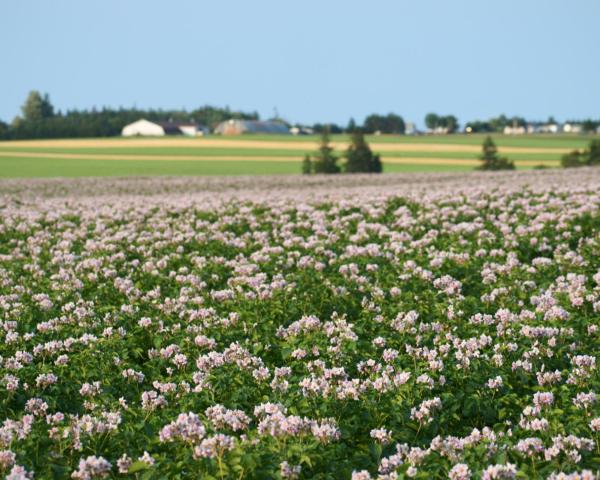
[(312, 60)]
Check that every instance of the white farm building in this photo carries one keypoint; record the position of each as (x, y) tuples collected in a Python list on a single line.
[(570, 127), (146, 128)]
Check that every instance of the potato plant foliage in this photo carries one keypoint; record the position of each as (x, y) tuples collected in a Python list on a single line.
[(429, 327)]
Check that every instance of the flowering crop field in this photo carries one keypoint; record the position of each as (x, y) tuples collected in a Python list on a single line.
[(426, 326)]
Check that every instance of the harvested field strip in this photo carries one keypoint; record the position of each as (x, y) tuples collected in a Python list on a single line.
[(239, 152), (260, 144), (539, 140), (97, 156), (533, 141)]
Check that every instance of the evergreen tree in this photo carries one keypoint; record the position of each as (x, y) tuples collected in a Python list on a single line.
[(3, 130), (325, 161), (376, 165), (351, 126), (37, 107), (359, 156), (306, 165), (593, 153), (490, 158)]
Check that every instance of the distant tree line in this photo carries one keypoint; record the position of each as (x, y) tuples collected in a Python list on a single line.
[(446, 123), (374, 123), (38, 119), (496, 124)]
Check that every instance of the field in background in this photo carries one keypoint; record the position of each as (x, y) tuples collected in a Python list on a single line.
[(261, 154)]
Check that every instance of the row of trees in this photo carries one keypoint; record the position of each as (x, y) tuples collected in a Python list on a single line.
[(447, 123), (39, 119), (589, 157), (393, 123), (359, 157), (497, 124), (374, 123)]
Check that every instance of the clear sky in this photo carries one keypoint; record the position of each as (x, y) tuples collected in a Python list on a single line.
[(312, 60)]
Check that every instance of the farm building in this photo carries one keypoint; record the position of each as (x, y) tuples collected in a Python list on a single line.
[(238, 127), (542, 128), (515, 130), (147, 128), (301, 131), (411, 129), (438, 131), (572, 127)]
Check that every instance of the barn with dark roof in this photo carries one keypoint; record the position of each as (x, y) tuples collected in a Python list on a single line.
[(239, 127)]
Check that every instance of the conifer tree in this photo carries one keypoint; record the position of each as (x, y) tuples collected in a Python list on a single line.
[(490, 158), (359, 156), (307, 165), (325, 161)]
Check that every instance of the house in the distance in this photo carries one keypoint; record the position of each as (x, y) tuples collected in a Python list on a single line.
[(146, 128), (439, 130), (238, 127), (538, 127), (515, 130), (571, 127)]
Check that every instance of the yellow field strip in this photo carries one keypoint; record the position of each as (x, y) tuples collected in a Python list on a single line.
[(112, 156), (192, 158), (258, 144)]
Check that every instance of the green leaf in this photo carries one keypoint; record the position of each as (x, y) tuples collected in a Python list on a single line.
[(138, 466), (147, 475)]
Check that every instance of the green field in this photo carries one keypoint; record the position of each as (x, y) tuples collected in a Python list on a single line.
[(19, 167), (261, 154)]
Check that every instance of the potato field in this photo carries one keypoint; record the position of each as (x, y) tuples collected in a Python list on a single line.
[(425, 326)]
